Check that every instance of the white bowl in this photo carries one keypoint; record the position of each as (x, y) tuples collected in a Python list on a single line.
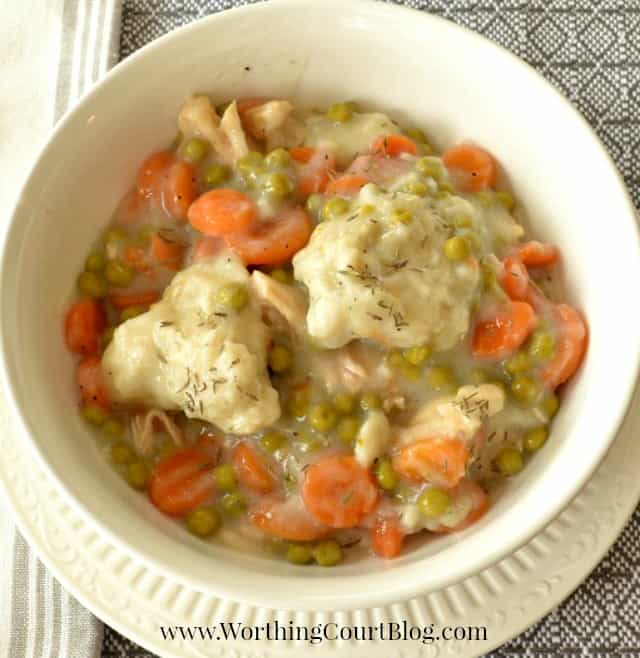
[(418, 68)]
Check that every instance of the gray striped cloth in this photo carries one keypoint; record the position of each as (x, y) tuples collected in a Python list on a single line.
[(38, 618)]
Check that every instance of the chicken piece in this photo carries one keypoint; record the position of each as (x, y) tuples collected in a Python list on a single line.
[(373, 438), (456, 416), (263, 120), (199, 118), (142, 430), (283, 307)]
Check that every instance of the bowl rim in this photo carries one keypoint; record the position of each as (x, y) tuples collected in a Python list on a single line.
[(271, 593)]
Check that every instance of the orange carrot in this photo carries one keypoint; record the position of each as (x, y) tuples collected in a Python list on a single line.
[(250, 468), (166, 252), (313, 172), (222, 211), (439, 460), (479, 505), (537, 254), (286, 520), (152, 174), (338, 492), (346, 185), (515, 279), (387, 536), (273, 242), (144, 298), (394, 145), (205, 247), (571, 344), (503, 334), (84, 323), (179, 190), (91, 382), (301, 154), (473, 168)]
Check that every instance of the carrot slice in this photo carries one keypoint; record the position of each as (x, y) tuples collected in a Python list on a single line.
[(152, 173), (301, 154), (346, 185), (440, 460), (505, 332), (222, 211), (537, 254), (571, 344), (206, 247), (338, 492), (394, 145), (83, 325), (273, 242), (250, 468), (387, 536), (286, 520), (473, 168), (125, 300), (515, 278), (479, 505), (91, 382), (179, 190), (313, 173), (166, 252)]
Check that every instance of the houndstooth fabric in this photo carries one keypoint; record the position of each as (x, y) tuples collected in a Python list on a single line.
[(590, 50)]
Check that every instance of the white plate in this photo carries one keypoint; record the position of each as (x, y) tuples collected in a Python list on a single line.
[(507, 598)]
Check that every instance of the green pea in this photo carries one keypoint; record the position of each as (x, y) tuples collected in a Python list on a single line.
[(370, 401), (550, 405), (233, 503), (401, 216), (107, 336), (314, 204), (322, 417), (417, 355), (224, 478), (519, 362), (524, 389), (385, 475), (430, 166), (138, 475), (441, 378), (277, 159), (534, 439), (478, 376), (273, 441), (195, 149), (216, 174), (334, 208), (308, 442), (114, 235), (347, 429), (278, 185), (203, 522), (463, 221), (505, 199), (417, 188), (132, 312), (113, 427), (345, 403), (94, 414), (445, 189), (92, 284), (542, 346), (416, 135), (298, 403), (340, 112), (233, 295), (121, 453), (327, 553), (94, 262), (434, 502), (509, 461), (280, 358), (118, 274), (299, 554), (456, 248)]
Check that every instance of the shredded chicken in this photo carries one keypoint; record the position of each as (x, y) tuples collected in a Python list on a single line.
[(373, 438), (263, 120), (142, 430), (198, 117), (283, 307)]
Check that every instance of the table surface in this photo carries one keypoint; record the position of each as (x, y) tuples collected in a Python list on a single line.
[(590, 50)]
